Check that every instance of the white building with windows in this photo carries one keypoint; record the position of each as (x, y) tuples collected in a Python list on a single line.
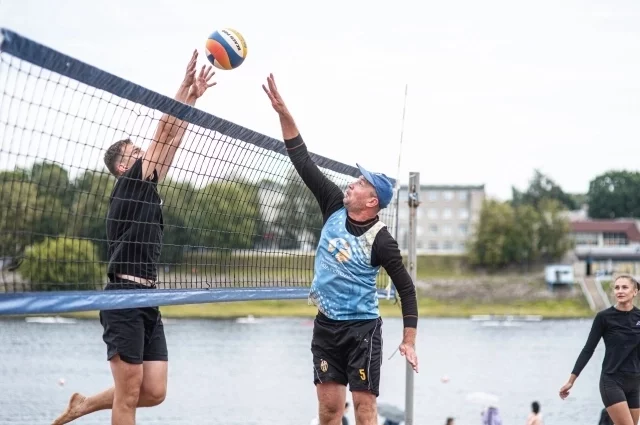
[(446, 217)]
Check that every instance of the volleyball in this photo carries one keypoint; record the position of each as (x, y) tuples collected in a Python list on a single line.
[(226, 49)]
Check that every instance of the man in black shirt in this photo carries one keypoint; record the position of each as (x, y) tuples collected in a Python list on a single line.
[(619, 326), (136, 345), (347, 339)]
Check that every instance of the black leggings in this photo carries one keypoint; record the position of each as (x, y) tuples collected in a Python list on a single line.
[(620, 387)]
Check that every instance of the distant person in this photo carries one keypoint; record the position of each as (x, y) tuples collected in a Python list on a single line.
[(345, 421), (450, 421), (491, 416), (535, 417), (619, 326)]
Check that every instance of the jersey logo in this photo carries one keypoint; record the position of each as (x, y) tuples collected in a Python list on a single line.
[(340, 249), (638, 324), (324, 366)]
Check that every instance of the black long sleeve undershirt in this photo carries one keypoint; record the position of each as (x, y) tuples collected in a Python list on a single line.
[(385, 251), (621, 333)]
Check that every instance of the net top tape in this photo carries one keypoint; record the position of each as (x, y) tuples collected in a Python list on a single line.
[(47, 58)]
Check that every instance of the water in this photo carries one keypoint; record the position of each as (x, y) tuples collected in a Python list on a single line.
[(223, 372)]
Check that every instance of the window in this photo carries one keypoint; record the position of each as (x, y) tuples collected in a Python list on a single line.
[(446, 214), (433, 214), (447, 195), (447, 246), (463, 229), (433, 245), (462, 195), (463, 214), (610, 239), (586, 239), (432, 195), (446, 229), (433, 229), (462, 246)]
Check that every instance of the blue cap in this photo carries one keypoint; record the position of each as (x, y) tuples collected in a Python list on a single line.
[(382, 185)]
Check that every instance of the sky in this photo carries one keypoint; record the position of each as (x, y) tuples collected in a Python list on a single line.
[(496, 88)]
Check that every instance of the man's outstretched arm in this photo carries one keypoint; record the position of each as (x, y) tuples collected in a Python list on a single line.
[(387, 254), (327, 193), (171, 130)]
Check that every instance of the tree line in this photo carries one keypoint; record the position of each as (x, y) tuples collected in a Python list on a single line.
[(531, 228), (52, 221), (46, 217)]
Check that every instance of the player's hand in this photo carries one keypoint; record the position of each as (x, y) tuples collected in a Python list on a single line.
[(190, 73), (274, 96), (408, 351), (564, 391), (202, 82)]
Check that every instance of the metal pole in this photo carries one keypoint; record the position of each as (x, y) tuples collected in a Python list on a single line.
[(414, 192)]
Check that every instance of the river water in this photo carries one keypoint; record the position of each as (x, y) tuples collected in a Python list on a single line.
[(225, 372)]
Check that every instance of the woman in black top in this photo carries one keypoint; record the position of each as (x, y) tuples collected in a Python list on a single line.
[(619, 326)]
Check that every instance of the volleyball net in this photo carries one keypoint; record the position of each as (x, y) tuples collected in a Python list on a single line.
[(239, 223)]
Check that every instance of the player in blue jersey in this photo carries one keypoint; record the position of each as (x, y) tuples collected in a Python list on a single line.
[(354, 244)]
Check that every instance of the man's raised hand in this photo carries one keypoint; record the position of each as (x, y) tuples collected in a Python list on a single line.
[(190, 73), (274, 96), (202, 82)]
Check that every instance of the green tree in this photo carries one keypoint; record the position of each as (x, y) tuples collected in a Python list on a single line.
[(89, 210), (225, 215), (522, 235), (542, 187), (53, 180), (18, 213), (554, 240), (492, 239), (615, 195), (299, 214), (63, 264), (179, 203), (523, 242)]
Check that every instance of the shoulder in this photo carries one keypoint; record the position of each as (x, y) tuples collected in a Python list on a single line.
[(605, 315), (606, 312), (339, 213), (383, 236)]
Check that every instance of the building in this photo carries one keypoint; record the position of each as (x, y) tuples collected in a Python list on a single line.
[(607, 246), (601, 233), (445, 218)]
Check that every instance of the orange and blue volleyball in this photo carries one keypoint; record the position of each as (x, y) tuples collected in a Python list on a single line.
[(226, 49)]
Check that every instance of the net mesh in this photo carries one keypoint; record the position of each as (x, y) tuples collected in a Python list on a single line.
[(236, 213)]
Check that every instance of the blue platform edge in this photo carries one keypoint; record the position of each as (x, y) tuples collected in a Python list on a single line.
[(30, 303)]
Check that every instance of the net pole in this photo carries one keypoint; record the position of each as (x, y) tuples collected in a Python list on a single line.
[(397, 186), (414, 190)]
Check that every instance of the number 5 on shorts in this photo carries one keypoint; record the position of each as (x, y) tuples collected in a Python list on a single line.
[(363, 375)]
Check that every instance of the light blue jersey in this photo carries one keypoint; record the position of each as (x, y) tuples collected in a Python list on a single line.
[(344, 285)]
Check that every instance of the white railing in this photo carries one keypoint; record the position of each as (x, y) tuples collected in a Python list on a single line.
[(587, 294)]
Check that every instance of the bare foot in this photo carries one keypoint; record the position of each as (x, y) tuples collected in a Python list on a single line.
[(73, 410)]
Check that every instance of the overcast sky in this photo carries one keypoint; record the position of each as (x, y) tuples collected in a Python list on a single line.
[(496, 88)]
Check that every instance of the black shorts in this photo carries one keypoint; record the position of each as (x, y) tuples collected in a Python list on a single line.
[(347, 352), (136, 334), (620, 387)]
